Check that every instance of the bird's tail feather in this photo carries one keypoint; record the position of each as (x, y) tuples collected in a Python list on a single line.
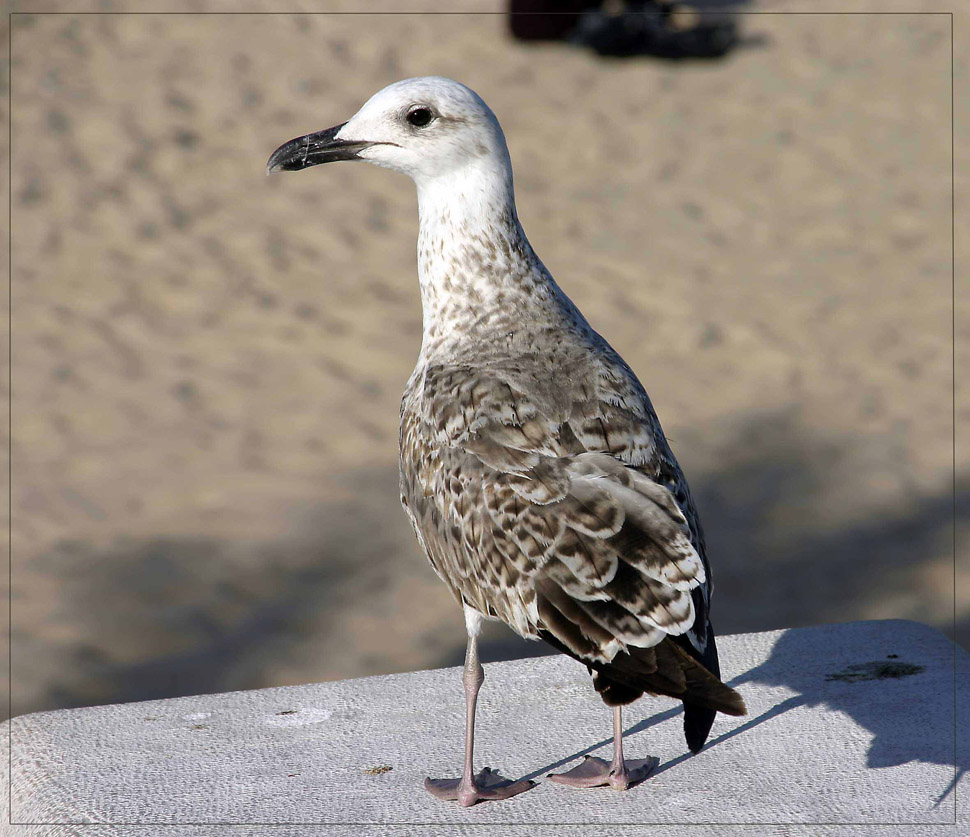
[(698, 720), (665, 669)]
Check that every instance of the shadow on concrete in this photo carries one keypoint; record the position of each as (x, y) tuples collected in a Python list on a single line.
[(841, 690), (794, 665), (849, 689)]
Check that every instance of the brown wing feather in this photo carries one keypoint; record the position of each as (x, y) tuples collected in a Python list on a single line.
[(498, 490)]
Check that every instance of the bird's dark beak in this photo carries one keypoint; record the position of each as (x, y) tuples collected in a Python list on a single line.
[(313, 149)]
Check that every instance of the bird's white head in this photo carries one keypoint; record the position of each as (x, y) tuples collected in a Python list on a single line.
[(431, 129), (472, 252)]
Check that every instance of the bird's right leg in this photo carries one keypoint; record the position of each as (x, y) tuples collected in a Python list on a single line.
[(487, 784), (619, 774)]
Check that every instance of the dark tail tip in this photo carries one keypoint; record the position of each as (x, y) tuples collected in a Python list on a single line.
[(698, 721)]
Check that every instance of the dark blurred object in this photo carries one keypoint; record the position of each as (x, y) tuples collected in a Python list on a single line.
[(639, 27), (530, 20)]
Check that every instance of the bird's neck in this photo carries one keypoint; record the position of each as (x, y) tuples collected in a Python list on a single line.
[(475, 264)]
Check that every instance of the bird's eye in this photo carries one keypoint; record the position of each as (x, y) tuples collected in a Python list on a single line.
[(420, 117)]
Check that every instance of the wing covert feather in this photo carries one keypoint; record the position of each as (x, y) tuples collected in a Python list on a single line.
[(552, 519)]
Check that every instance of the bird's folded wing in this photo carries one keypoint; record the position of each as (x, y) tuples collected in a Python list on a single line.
[(537, 519)]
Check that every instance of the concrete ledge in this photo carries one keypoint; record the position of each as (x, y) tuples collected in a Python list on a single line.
[(848, 724)]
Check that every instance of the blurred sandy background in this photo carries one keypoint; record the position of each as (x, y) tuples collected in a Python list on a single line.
[(207, 362)]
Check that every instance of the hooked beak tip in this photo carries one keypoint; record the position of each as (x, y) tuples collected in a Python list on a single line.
[(314, 149)]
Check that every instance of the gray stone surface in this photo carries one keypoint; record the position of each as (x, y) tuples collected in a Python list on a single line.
[(824, 743)]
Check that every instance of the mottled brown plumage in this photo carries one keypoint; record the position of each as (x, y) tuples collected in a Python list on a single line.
[(568, 519)]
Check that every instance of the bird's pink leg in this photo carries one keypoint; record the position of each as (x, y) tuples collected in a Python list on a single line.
[(619, 774), (486, 785)]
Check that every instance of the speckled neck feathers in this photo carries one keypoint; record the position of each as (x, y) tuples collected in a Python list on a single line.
[(480, 278)]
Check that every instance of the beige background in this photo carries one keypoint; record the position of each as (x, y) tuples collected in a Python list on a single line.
[(207, 362)]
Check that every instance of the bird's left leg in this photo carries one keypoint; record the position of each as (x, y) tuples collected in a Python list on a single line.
[(487, 784), (619, 774)]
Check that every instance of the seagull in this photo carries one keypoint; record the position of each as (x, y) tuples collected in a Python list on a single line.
[(533, 467)]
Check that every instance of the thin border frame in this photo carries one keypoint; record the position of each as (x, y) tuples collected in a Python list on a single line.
[(956, 770)]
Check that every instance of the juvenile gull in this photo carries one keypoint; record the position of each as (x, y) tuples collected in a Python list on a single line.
[(533, 467)]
